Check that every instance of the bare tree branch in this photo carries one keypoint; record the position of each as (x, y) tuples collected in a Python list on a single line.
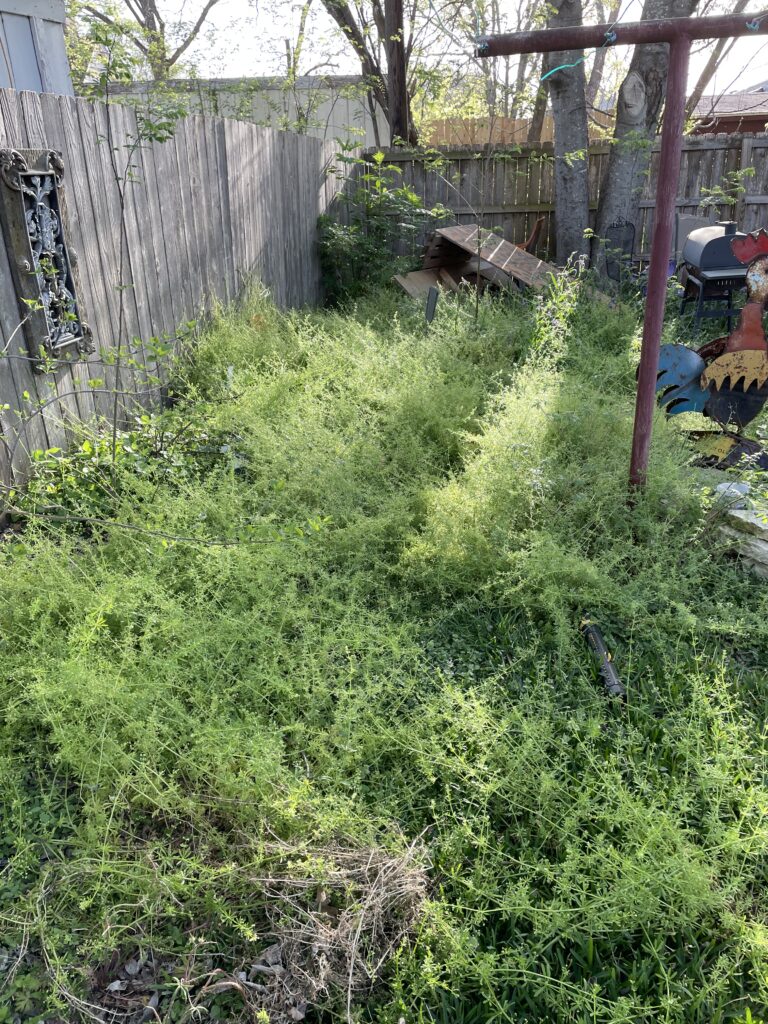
[(370, 66), (136, 12), (598, 64), (148, 31), (182, 49), (721, 48)]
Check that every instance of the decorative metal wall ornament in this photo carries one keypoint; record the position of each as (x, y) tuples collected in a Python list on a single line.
[(44, 268)]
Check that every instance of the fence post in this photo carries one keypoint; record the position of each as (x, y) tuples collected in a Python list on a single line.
[(745, 160)]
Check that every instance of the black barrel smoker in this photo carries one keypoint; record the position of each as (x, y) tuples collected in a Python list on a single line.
[(710, 273)]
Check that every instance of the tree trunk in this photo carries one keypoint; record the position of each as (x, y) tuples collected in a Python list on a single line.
[(365, 43), (569, 112), (399, 113), (538, 114), (371, 99), (522, 68), (637, 119)]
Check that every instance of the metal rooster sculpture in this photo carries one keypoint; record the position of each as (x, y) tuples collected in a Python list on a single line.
[(695, 380)]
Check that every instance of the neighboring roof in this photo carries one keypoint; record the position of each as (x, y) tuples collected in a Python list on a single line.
[(760, 87), (748, 104)]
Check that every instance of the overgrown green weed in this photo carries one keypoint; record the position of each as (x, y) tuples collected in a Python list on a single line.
[(343, 608)]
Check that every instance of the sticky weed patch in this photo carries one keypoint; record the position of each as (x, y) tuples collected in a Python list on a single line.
[(329, 664)]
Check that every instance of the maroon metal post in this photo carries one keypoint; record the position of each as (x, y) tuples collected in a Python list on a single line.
[(678, 32), (663, 230)]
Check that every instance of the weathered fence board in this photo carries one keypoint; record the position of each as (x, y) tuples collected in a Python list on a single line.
[(217, 204), (58, 135), (508, 188)]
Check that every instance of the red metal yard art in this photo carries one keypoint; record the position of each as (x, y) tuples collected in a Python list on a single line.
[(679, 33)]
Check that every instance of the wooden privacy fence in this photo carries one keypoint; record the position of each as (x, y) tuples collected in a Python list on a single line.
[(476, 131), (508, 189), (217, 203)]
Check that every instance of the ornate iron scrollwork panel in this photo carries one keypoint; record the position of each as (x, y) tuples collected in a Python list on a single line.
[(45, 274)]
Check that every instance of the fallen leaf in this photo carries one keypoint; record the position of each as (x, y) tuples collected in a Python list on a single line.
[(272, 955)]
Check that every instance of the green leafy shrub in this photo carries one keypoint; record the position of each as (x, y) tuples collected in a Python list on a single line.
[(99, 471), (375, 230)]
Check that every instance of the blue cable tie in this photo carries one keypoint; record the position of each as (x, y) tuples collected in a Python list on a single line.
[(562, 67), (610, 37), (753, 25)]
